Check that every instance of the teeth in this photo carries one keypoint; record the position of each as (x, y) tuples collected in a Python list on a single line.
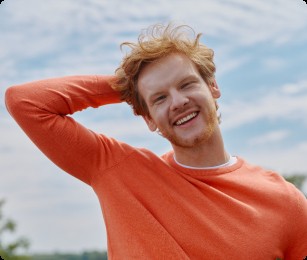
[(185, 119)]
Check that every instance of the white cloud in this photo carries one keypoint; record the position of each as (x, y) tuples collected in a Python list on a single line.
[(270, 137), (226, 64), (274, 104), (274, 63), (285, 161), (295, 88), (246, 23)]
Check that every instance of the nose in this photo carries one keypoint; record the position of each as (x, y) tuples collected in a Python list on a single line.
[(178, 100)]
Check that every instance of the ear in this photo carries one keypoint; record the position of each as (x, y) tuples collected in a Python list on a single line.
[(150, 123), (214, 89)]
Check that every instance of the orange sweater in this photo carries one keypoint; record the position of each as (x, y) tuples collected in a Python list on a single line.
[(154, 208)]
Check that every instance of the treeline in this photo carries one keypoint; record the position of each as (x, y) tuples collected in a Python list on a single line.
[(93, 255), (298, 180), (88, 255)]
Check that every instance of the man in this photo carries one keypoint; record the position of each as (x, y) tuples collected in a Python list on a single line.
[(195, 202)]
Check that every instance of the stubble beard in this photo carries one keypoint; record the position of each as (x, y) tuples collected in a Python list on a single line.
[(202, 138)]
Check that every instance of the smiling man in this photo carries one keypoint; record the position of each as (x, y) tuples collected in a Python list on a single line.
[(181, 105), (196, 201)]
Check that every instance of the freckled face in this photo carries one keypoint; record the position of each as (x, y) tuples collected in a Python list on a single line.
[(180, 103)]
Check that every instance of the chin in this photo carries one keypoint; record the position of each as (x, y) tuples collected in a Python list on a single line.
[(190, 142)]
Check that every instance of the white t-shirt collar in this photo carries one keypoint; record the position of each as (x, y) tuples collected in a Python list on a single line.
[(232, 160)]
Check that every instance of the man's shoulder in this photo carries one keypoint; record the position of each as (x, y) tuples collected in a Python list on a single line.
[(268, 178)]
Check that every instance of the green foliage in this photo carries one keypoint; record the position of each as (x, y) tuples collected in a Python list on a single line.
[(94, 255), (297, 179), (9, 251)]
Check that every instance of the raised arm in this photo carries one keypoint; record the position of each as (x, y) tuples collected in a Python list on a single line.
[(41, 109)]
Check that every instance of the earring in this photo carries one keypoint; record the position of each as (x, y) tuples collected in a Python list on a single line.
[(219, 115), (158, 132)]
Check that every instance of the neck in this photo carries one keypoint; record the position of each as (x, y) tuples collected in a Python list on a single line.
[(207, 154)]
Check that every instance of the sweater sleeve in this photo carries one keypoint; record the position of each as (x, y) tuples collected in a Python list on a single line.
[(42, 109)]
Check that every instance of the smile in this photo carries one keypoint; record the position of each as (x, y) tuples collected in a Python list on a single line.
[(186, 119)]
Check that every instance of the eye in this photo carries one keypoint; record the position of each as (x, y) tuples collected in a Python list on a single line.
[(187, 85), (159, 99)]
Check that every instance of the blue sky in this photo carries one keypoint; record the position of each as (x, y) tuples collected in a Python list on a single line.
[(260, 53)]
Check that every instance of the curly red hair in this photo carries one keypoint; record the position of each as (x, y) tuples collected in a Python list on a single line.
[(154, 43)]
